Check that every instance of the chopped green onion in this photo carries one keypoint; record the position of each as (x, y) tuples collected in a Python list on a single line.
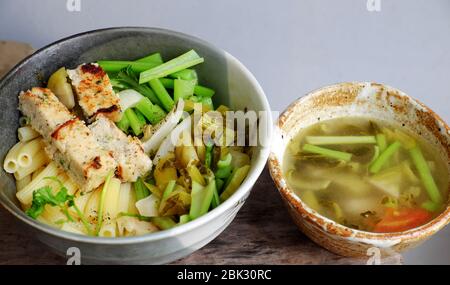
[(383, 158), (162, 94), (181, 62), (141, 117), (425, 175), (332, 140), (340, 155)]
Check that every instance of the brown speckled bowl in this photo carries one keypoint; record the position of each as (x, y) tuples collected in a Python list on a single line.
[(356, 99)]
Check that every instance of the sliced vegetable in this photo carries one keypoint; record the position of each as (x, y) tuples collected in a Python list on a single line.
[(384, 157), (140, 189), (199, 90), (102, 202), (381, 142), (135, 123), (186, 74), (425, 175), (201, 198), (235, 181), (164, 128), (184, 219), (148, 206), (162, 94), (402, 220), (340, 155), (154, 57), (183, 89), (181, 62), (61, 88), (431, 206), (123, 124), (127, 77), (153, 113), (164, 223), (335, 140), (167, 191), (113, 66)]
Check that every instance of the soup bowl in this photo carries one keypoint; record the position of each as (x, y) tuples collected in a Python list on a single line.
[(370, 100), (235, 86)]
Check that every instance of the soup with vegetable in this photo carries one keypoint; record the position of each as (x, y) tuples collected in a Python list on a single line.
[(367, 174)]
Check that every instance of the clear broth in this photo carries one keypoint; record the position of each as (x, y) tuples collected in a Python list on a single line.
[(392, 199)]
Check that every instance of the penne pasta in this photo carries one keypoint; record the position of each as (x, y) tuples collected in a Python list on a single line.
[(125, 197), (38, 160), (74, 227), (54, 215), (20, 184), (131, 226), (36, 173), (108, 229), (28, 151), (10, 163), (27, 133), (91, 208), (25, 195), (80, 200), (110, 209)]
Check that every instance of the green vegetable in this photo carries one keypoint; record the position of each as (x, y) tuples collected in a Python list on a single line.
[(200, 91), (44, 196), (153, 113), (162, 94), (207, 102), (208, 154), (154, 57), (234, 181), (163, 223), (186, 74), (219, 185), (201, 198), (129, 78), (167, 191), (102, 202), (141, 218), (425, 175), (184, 219), (216, 199), (112, 66), (135, 123), (140, 189), (140, 117), (181, 62), (431, 206), (381, 141), (383, 158), (124, 123), (183, 89), (333, 140), (203, 91), (340, 155)]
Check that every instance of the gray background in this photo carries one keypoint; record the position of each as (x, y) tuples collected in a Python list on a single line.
[(291, 47)]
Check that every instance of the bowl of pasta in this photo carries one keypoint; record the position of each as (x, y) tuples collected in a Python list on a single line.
[(134, 145)]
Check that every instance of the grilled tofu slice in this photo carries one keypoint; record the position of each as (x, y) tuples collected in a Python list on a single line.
[(74, 147), (128, 152), (69, 142), (44, 110), (94, 92)]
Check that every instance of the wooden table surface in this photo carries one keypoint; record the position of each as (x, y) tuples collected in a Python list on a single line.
[(262, 232)]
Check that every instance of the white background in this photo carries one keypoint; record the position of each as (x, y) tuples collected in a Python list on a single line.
[(292, 47)]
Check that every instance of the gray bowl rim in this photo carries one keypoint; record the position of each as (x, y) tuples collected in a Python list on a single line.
[(245, 187)]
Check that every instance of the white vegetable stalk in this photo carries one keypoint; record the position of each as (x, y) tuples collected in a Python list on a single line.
[(163, 128)]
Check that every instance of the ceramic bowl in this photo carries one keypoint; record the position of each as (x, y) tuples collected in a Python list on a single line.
[(235, 86), (371, 100)]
